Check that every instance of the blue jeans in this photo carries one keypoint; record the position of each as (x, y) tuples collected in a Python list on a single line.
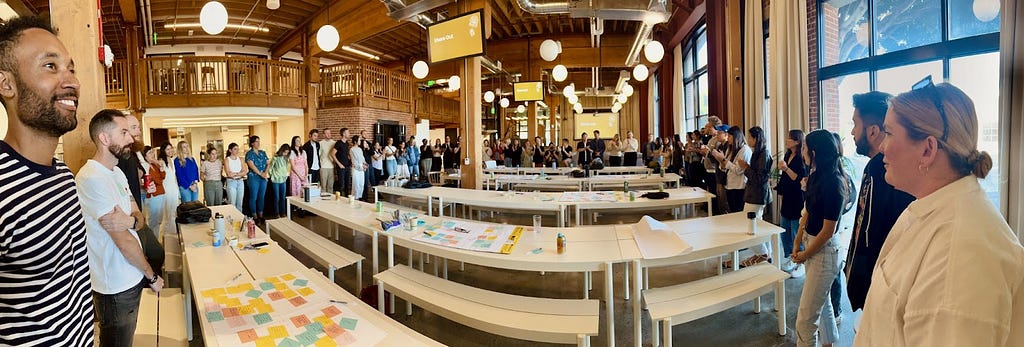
[(187, 195), (280, 202), (414, 168), (392, 168), (790, 226), (236, 191), (257, 194), (156, 213), (118, 314), (815, 312)]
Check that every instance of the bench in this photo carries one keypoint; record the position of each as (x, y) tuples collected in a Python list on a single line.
[(535, 319), (686, 302), (161, 320), (320, 249)]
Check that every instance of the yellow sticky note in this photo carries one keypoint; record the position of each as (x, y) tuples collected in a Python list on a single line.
[(247, 310), (263, 250), (236, 290), (278, 331), (233, 302), (323, 320), (288, 277), (214, 292), (257, 302), (273, 279), (288, 293), (223, 300), (325, 342), (280, 286), (266, 341), (264, 308), (246, 286), (306, 291)]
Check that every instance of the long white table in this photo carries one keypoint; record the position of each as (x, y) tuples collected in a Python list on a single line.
[(533, 202), (678, 197), (568, 183), (207, 266)]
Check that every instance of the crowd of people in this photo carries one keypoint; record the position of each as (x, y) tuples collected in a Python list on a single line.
[(932, 261)]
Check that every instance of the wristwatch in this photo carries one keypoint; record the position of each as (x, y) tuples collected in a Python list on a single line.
[(153, 280)]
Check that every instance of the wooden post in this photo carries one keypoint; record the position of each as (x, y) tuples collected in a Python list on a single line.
[(76, 25), (470, 125)]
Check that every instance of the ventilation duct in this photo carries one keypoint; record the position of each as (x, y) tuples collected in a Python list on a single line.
[(648, 11), (399, 11)]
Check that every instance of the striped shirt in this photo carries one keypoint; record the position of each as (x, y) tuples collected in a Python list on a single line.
[(45, 293)]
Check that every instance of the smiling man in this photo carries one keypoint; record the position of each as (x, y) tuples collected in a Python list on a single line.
[(44, 275)]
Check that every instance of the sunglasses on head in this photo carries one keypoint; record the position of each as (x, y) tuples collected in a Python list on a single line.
[(926, 85)]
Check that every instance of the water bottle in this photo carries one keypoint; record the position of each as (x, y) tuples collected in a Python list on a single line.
[(752, 216), (560, 243)]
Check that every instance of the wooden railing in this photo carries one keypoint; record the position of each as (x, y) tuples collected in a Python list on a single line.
[(221, 81), (117, 86), (437, 108), (365, 85)]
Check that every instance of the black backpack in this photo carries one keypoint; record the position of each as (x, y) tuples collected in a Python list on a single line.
[(193, 212)]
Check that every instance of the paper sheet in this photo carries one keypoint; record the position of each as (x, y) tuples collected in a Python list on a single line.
[(657, 240)]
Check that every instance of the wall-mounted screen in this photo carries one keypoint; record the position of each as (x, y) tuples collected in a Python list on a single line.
[(529, 91), (605, 122), (458, 37)]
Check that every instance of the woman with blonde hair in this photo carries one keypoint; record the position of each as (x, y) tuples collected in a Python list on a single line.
[(951, 272), (615, 151), (187, 173)]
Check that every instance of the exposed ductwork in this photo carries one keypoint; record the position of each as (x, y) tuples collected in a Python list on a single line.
[(649, 11), (399, 11)]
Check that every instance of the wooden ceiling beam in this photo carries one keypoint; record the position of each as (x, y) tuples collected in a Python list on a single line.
[(128, 11), (290, 40)]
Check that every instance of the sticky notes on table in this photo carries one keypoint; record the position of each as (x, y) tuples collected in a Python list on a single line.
[(230, 312), (289, 342), (262, 318), (307, 338), (275, 296), (214, 292), (297, 301), (253, 293), (300, 282), (214, 316), (306, 291), (265, 342), (325, 342), (300, 321), (273, 279), (323, 320), (236, 322), (246, 336), (246, 310), (278, 331), (266, 286), (288, 293), (333, 330), (315, 327), (348, 323), (331, 311), (287, 277), (280, 286)]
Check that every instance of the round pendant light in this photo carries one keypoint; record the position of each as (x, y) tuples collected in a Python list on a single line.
[(520, 109), (273, 4), (489, 96), (578, 107), (627, 89), (559, 73), (654, 51), (503, 102), (616, 107), (568, 90), (640, 72), (213, 17), (549, 49), (572, 99), (454, 83), (621, 98), (327, 38), (986, 10), (420, 69)]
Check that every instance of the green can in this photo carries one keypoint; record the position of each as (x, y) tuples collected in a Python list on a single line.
[(380, 206)]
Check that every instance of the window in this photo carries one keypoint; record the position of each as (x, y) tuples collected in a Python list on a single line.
[(657, 104), (695, 79), (955, 41)]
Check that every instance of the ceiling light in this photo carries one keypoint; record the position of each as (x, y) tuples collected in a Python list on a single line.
[(214, 17), (454, 83), (420, 69), (569, 90), (654, 51), (621, 98), (327, 38), (549, 49), (351, 49), (627, 89), (227, 26), (520, 109), (273, 4), (573, 99), (504, 102), (986, 10), (489, 96), (559, 73), (640, 72)]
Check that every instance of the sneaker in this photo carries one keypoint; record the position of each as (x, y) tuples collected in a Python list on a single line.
[(798, 272), (788, 265)]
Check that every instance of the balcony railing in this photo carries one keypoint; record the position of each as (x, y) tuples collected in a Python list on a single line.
[(437, 108), (365, 85), (221, 81), (117, 86)]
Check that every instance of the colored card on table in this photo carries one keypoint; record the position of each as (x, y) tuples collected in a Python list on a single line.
[(278, 331), (230, 312), (262, 318), (333, 330), (325, 342), (300, 282), (236, 322), (214, 316), (253, 293), (315, 327), (265, 341), (214, 292), (348, 323), (266, 286), (300, 321), (306, 291), (331, 311), (307, 338), (287, 277), (288, 293), (246, 336), (289, 342), (275, 295), (323, 320)]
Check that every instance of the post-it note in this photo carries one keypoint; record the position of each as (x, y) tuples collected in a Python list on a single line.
[(246, 336), (348, 323), (278, 331), (300, 321), (300, 282), (266, 286), (306, 291), (331, 311), (214, 316), (262, 318), (315, 327), (289, 342), (253, 293), (297, 301)]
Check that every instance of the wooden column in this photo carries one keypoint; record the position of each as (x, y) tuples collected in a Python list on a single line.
[(312, 80), (470, 125), (75, 22)]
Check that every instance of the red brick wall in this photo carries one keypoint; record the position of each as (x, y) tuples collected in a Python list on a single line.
[(360, 118), (812, 61)]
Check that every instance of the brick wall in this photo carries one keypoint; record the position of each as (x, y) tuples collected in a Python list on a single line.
[(812, 61), (360, 118)]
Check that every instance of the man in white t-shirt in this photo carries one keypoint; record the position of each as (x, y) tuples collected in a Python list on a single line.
[(326, 164), (118, 266)]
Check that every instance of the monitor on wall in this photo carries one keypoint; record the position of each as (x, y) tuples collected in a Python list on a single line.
[(457, 37), (528, 91), (605, 122)]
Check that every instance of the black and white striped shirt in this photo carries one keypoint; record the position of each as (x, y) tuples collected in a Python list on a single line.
[(45, 294)]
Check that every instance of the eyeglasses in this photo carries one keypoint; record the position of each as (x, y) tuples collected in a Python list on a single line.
[(933, 92)]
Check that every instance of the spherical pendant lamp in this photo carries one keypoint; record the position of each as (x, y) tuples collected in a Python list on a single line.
[(621, 98), (327, 38), (640, 72), (273, 4), (420, 69), (213, 17), (559, 73), (568, 90), (504, 102), (549, 50), (654, 51), (520, 109), (572, 99), (627, 89), (489, 96), (454, 83)]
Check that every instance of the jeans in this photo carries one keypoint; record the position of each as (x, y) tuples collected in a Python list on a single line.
[(358, 182), (790, 226), (280, 202), (815, 307), (414, 168), (213, 192), (156, 213), (236, 192), (118, 314), (257, 194), (345, 181), (392, 168), (327, 180), (187, 195)]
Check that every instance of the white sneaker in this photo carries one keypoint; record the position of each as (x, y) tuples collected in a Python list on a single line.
[(788, 265), (798, 272)]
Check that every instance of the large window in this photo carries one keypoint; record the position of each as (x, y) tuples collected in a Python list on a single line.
[(888, 45), (695, 79)]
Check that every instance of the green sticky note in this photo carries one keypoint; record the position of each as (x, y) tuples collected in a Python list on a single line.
[(266, 286), (348, 323), (289, 342), (262, 318), (315, 327), (215, 316), (307, 338), (300, 282), (253, 294), (198, 244)]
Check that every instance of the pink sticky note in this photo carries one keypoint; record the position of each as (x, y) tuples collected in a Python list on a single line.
[(246, 336), (276, 296), (333, 330), (300, 321), (297, 301), (236, 322), (331, 311), (345, 339)]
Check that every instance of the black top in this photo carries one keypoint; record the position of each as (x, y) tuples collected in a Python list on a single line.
[(130, 167), (598, 146), (426, 152), (585, 156), (789, 189), (312, 149), (341, 152), (824, 201), (538, 154), (756, 191), (566, 152), (878, 207)]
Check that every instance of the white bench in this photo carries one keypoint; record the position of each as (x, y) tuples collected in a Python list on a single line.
[(161, 320), (323, 251), (528, 318), (686, 302)]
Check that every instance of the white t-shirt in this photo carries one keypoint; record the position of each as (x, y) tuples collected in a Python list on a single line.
[(325, 154), (100, 191)]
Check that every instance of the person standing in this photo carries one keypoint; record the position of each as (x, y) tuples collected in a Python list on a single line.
[(390, 153), (342, 159), (735, 181), (298, 176), (213, 188), (630, 148), (566, 151), (257, 161), (436, 164), (327, 178), (281, 166), (585, 151), (358, 166), (649, 149), (367, 147), (448, 155), (426, 158), (312, 151), (377, 162), (402, 159), (827, 192), (793, 171), (878, 205), (538, 152), (235, 171), (951, 271), (172, 194), (615, 151), (755, 195), (598, 145), (119, 267), (155, 193), (187, 173), (45, 295), (414, 157)]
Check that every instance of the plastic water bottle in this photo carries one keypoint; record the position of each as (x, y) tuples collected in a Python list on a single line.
[(752, 216), (560, 243)]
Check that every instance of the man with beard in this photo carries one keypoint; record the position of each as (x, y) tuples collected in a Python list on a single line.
[(119, 267), (44, 272), (879, 204), (133, 169)]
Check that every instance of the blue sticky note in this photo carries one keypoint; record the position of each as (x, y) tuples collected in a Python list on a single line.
[(315, 327), (198, 244), (289, 342), (300, 282), (348, 323), (267, 286), (307, 338), (253, 294), (214, 316), (262, 318)]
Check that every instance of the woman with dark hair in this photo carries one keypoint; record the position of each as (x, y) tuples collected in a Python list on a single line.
[(186, 171), (792, 170), (735, 182), (297, 177), (279, 171), (514, 154), (827, 191), (755, 195), (235, 171), (212, 171), (172, 195), (566, 152), (694, 169), (257, 161), (538, 152)]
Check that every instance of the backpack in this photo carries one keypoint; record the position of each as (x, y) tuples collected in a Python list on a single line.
[(193, 212), (413, 184)]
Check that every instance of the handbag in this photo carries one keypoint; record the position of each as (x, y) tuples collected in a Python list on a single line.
[(193, 212)]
